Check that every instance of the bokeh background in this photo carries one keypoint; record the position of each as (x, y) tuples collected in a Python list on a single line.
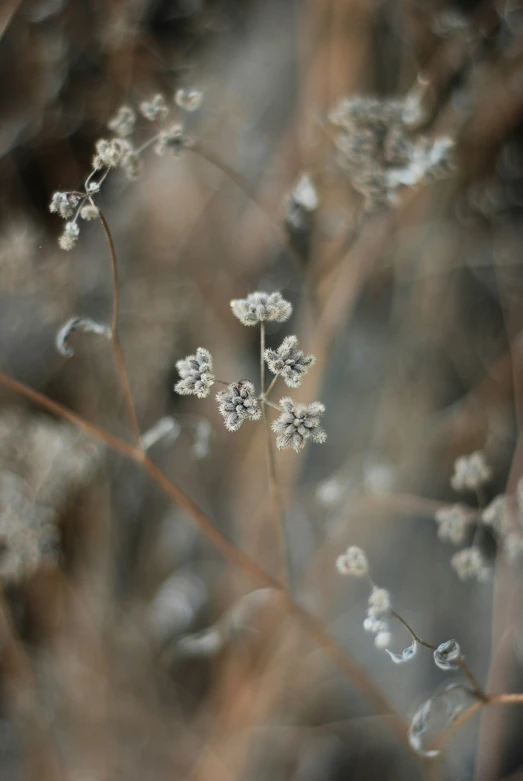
[(108, 668)]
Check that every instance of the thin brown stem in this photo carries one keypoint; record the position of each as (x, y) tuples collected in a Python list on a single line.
[(477, 688), (234, 555), (117, 349), (276, 498), (271, 386)]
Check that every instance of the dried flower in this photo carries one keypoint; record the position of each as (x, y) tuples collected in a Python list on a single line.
[(289, 361), (238, 403), (123, 122), (88, 211), (154, 109), (64, 204), (469, 564), (110, 152), (353, 562), (188, 99), (261, 307), (298, 423), (174, 139), (69, 237), (379, 152), (452, 523), (131, 165), (447, 654), (470, 472), (196, 372), (305, 194), (497, 515)]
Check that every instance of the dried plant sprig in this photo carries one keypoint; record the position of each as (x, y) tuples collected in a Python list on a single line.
[(289, 362), (298, 423), (238, 403), (84, 324), (470, 472), (196, 373), (261, 307)]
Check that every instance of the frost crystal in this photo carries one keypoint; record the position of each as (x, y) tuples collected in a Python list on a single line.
[(353, 562), (238, 403), (260, 307), (447, 654), (470, 472), (289, 361), (84, 324), (298, 423), (196, 373), (406, 655)]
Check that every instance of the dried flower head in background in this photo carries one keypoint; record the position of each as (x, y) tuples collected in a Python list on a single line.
[(298, 423), (261, 307), (196, 372), (469, 564), (27, 531), (123, 122), (238, 403), (173, 139), (289, 362), (155, 108), (453, 522), (470, 472), (379, 152), (353, 562), (188, 99)]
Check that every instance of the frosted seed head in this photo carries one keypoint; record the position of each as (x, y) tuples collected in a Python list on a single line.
[(123, 122), (470, 472), (196, 374), (69, 236), (353, 562), (261, 307), (238, 403), (154, 109)]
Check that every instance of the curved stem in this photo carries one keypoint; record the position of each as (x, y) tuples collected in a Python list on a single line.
[(117, 349)]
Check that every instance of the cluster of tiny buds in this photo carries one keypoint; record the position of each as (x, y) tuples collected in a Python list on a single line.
[(297, 423), (119, 152), (503, 516)]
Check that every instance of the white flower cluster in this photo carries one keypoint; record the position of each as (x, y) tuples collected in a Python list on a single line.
[(503, 516), (119, 152), (378, 613), (470, 472), (297, 423), (353, 562)]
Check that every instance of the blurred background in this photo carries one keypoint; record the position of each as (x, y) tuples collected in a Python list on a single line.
[(129, 647)]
